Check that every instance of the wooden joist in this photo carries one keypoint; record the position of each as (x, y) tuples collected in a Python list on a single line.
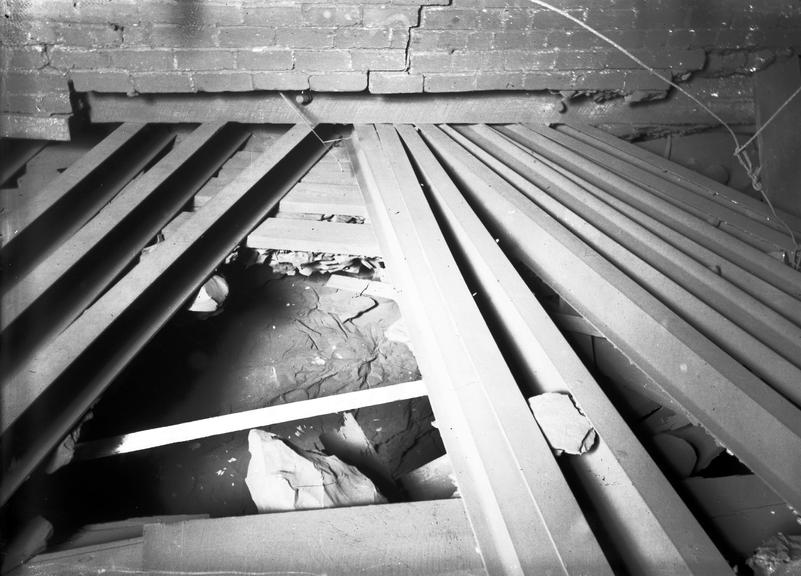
[(16, 154), (645, 521), (347, 108), (315, 236), (700, 230), (754, 232), (678, 174), (256, 418), (68, 202), (764, 340), (525, 518), (741, 411), (79, 363), (56, 127), (80, 268)]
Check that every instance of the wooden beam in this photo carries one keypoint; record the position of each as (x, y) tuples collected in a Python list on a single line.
[(315, 236), (752, 333), (77, 365), (643, 518), (694, 181), (347, 108), (77, 271), (406, 539), (16, 154), (780, 170), (752, 231), (35, 127), (118, 558), (315, 198), (524, 516), (260, 417), (699, 230), (68, 202), (742, 412)]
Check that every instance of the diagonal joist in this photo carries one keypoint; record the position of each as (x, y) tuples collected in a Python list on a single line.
[(698, 183), (643, 518), (76, 195), (75, 367), (78, 270), (16, 154), (758, 337), (740, 410), (695, 228), (754, 232), (524, 516)]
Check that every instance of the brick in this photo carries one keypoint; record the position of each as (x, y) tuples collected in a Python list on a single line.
[(679, 60), (378, 59), (87, 35), (528, 60), (66, 58), (52, 103), (430, 62), (168, 36), (55, 10), (390, 16), (574, 40), (499, 81), (519, 40), (305, 37), (30, 82), (339, 82), (205, 60), (273, 16), (331, 15), (395, 83), (222, 81), (464, 61), (431, 40), (601, 18), (549, 81), (23, 58), (245, 37), (101, 81), (191, 13), (449, 19), (644, 80), (142, 60), (149, 83), (583, 59), (601, 79), (264, 60), (547, 20), (328, 60), (478, 41), (418, 2), (449, 82), (123, 12), (363, 38), (291, 80)]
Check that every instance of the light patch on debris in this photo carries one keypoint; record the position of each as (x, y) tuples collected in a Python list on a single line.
[(564, 426)]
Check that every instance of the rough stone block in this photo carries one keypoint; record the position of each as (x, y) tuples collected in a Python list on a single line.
[(148, 83), (378, 59), (363, 38), (430, 62), (66, 58), (323, 60), (305, 37), (246, 37), (290, 80), (449, 19), (499, 81), (101, 81), (222, 81), (264, 59), (205, 60), (169, 36), (389, 16), (272, 16), (395, 83), (142, 60), (331, 15), (339, 82), (449, 82)]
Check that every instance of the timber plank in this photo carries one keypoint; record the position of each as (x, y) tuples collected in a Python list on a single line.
[(134, 308), (514, 493), (677, 173), (702, 231), (25, 126), (314, 198), (315, 236), (742, 412), (407, 539)]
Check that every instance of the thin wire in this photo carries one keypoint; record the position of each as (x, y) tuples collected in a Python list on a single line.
[(311, 125), (739, 152), (769, 120)]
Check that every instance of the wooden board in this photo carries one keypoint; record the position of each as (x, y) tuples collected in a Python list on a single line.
[(315, 236), (348, 108), (313, 198), (35, 127), (677, 173), (643, 519), (155, 289), (779, 141), (734, 406), (409, 539), (257, 418), (120, 558), (513, 490)]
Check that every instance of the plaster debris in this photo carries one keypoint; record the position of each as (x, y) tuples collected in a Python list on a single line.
[(564, 426), (778, 556), (211, 295)]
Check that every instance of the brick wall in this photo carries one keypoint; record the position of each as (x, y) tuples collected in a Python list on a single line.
[(380, 46)]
